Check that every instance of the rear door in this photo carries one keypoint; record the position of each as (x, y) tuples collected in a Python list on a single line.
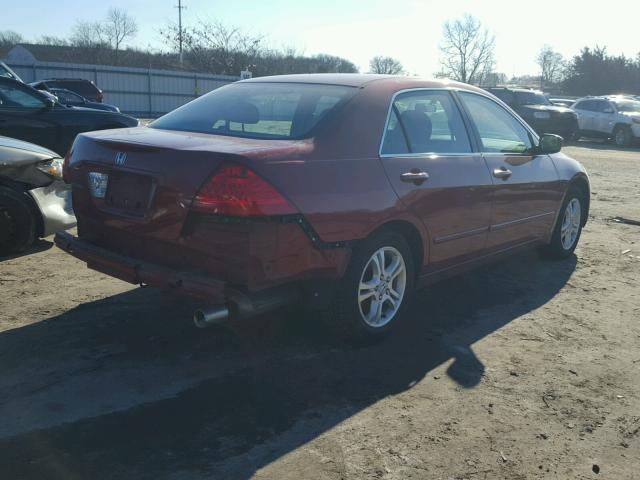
[(526, 187), (428, 157)]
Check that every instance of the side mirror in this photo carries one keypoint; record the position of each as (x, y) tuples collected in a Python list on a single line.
[(49, 103), (550, 143), (608, 110)]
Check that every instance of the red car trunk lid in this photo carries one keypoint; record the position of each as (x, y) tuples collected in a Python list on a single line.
[(153, 175)]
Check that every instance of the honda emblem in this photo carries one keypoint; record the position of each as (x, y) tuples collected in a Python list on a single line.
[(121, 157)]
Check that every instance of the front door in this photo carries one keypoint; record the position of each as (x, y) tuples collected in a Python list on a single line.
[(526, 186), (24, 115), (428, 158)]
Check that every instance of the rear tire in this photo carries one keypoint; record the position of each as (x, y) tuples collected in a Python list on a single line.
[(371, 300), (17, 223), (568, 228)]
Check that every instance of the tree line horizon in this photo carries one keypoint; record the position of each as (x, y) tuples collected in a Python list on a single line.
[(467, 54)]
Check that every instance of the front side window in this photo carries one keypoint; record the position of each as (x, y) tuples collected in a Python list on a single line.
[(603, 106), (425, 122), (499, 131), (12, 96), (67, 97), (259, 110), (588, 106)]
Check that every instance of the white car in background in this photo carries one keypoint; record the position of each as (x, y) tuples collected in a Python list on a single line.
[(611, 117)]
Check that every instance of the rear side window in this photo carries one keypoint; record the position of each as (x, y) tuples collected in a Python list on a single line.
[(259, 110), (425, 122), (499, 130)]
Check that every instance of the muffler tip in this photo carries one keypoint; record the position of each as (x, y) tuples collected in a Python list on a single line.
[(204, 318)]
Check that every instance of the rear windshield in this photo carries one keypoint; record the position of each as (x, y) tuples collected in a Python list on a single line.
[(83, 87), (532, 98), (259, 110)]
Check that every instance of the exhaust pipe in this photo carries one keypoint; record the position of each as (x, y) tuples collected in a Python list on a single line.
[(204, 318)]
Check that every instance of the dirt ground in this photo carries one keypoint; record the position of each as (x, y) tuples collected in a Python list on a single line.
[(527, 369)]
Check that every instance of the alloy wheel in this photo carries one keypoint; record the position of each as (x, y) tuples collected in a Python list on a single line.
[(570, 224), (382, 287)]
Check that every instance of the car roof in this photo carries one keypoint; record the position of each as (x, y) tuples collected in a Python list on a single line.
[(514, 89), (359, 80), (59, 79)]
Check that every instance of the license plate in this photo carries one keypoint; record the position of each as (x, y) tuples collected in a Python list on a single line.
[(98, 184)]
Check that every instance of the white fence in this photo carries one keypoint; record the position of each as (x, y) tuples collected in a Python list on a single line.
[(137, 91)]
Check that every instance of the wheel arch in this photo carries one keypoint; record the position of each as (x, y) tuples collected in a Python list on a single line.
[(581, 182), (412, 234), (23, 189), (621, 125)]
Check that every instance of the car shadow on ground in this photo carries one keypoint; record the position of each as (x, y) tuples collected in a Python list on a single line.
[(38, 246), (268, 385)]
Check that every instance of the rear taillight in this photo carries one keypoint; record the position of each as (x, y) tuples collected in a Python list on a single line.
[(238, 191)]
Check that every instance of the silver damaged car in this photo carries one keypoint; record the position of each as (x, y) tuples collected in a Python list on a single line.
[(34, 199)]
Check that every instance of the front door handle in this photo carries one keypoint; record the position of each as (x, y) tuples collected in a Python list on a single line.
[(503, 173), (415, 176)]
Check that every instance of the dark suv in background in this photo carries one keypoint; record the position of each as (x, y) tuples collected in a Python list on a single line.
[(81, 86), (538, 111)]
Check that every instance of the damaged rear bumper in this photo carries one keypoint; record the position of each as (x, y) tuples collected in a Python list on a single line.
[(138, 272)]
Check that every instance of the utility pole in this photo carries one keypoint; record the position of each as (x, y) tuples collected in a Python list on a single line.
[(180, 7)]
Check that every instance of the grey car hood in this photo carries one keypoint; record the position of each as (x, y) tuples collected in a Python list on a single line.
[(16, 152)]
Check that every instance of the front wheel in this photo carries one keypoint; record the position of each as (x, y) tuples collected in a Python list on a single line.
[(375, 289), (622, 136), (568, 228), (17, 223)]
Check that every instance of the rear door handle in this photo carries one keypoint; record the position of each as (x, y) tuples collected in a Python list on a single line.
[(414, 176), (503, 173)]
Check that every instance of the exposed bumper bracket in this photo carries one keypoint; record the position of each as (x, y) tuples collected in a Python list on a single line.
[(137, 272)]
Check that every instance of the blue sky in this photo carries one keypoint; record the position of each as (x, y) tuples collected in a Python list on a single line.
[(409, 30)]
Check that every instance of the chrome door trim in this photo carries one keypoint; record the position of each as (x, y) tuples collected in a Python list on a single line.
[(456, 236), (481, 258), (500, 226)]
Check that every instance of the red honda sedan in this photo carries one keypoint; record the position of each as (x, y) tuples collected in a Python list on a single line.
[(342, 192)]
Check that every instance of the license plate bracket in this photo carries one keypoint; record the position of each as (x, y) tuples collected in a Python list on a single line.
[(129, 192)]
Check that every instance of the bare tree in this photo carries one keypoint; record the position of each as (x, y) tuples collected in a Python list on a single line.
[(385, 65), (118, 27), (216, 47), (52, 40), (87, 35), (9, 38), (551, 66), (467, 50)]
